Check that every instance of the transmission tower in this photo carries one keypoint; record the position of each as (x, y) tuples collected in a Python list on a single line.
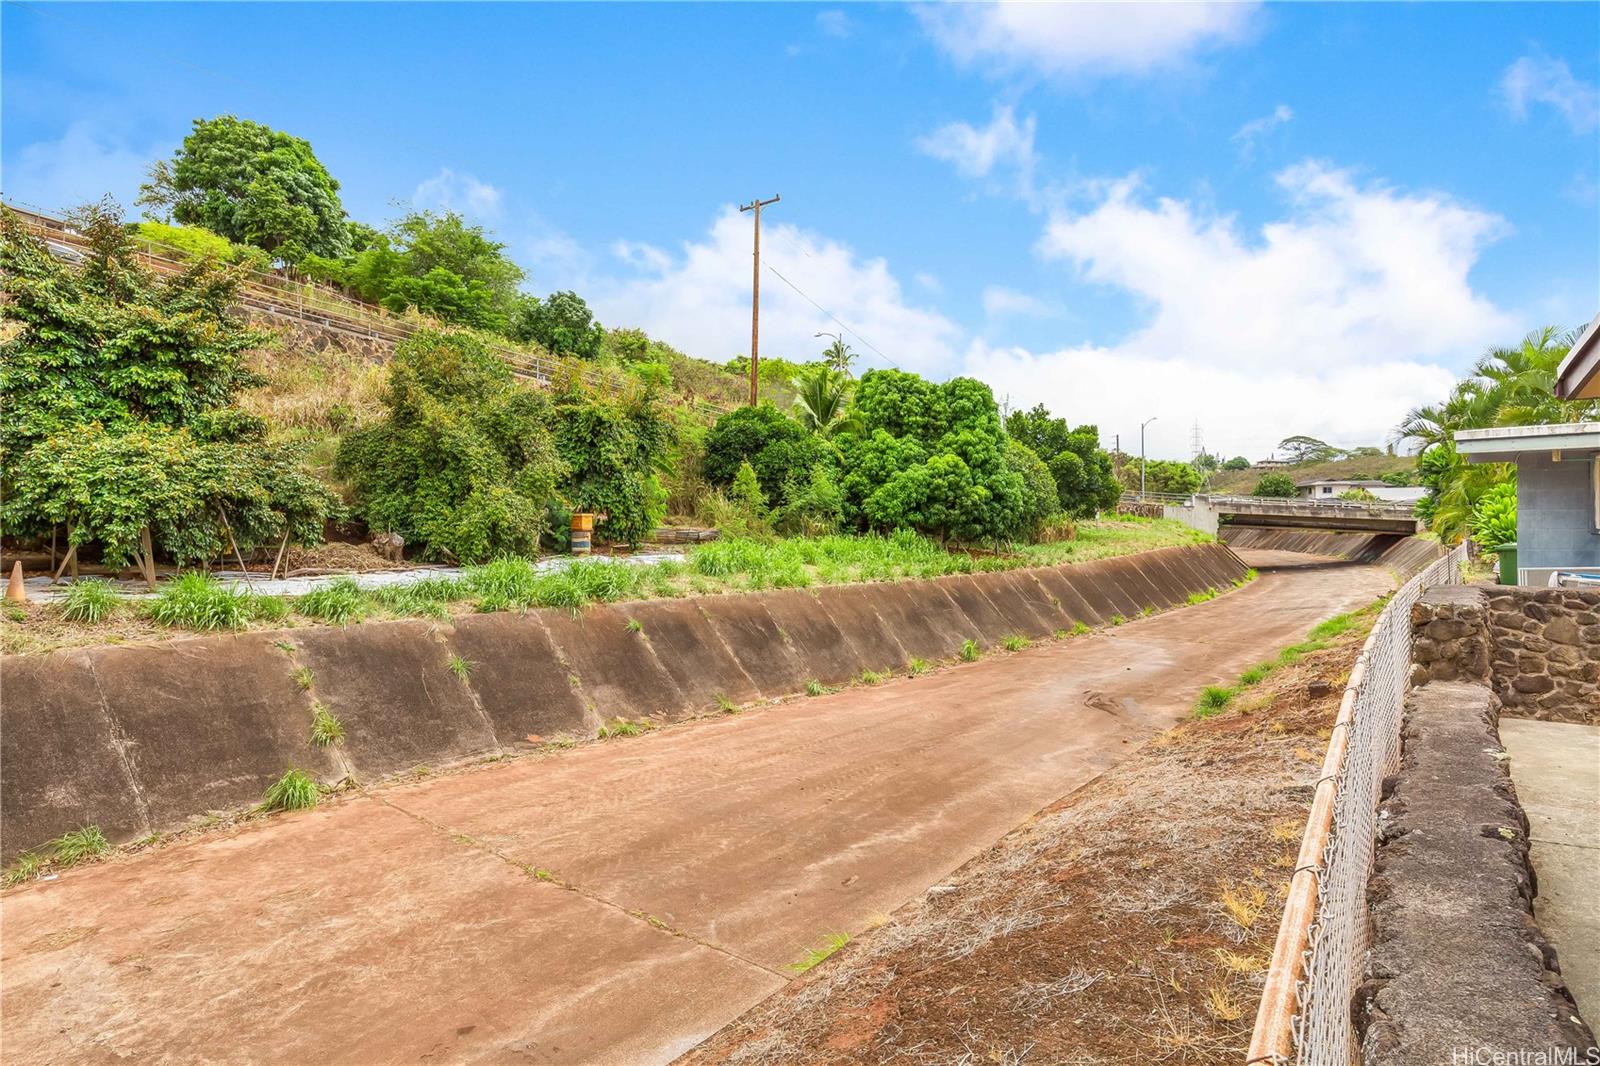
[(1197, 443)]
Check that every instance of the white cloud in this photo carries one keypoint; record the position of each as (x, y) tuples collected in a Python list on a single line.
[(462, 193), (1242, 411), (929, 282), (1247, 134), (1543, 80), (1001, 302), (1355, 274), (835, 23), (699, 299), (976, 152), (642, 256), (84, 164), (1332, 320), (1060, 40)]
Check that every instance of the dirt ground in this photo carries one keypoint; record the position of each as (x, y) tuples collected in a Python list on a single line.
[(618, 903), (1130, 922)]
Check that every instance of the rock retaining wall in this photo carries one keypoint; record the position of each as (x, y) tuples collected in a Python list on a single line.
[(137, 739), (1538, 648)]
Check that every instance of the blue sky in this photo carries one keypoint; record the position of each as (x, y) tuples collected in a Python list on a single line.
[(1270, 219)]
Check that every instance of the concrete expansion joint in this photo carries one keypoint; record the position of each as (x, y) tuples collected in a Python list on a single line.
[(560, 884)]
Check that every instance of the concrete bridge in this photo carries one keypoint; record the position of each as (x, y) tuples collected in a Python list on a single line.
[(1209, 513)]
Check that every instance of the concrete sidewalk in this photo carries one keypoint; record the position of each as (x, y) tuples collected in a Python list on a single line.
[(1556, 768), (615, 903)]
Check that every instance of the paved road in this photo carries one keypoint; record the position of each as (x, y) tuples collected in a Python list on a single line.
[(615, 903), (1556, 768)]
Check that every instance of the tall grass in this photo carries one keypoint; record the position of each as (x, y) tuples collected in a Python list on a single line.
[(198, 601), (341, 603), (91, 600)]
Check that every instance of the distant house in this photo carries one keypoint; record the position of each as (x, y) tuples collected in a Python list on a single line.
[(1579, 375), (1558, 490), (1271, 464), (1330, 488)]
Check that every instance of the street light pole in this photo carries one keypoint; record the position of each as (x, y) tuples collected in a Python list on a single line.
[(1146, 422)]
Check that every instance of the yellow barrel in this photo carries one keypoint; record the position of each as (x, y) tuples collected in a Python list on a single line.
[(582, 524)]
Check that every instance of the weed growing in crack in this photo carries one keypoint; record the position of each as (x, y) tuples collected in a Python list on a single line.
[(1014, 642), (1078, 629), (816, 688), (917, 667), (325, 726), (818, 955), (78, 845), (970, 652), (294, 791), (461, 667), (304, 676)]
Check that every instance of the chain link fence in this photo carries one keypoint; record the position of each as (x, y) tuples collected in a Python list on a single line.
[(1320, 954)]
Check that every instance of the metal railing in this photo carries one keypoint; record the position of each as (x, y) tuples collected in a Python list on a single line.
[(1320, 954), (284, 296)]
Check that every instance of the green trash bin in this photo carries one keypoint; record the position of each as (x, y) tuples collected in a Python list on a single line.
[(1508, 562)]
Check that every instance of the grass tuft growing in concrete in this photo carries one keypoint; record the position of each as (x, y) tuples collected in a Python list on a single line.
[(294, 791), (340, 603), (326, 728), (814, 957)]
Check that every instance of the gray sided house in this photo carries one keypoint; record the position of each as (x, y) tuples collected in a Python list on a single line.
[(1558, 493)]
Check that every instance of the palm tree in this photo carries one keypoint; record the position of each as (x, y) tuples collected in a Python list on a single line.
[(821, 398), (839, 356)]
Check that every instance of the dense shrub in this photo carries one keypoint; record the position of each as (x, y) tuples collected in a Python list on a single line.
[(1280, 485), (1086, 482), (1164, 475), (1041, 502), (1494, 516), (562, 323), (118, 417), (930, 458), (775, 445), (464, 463), (614, 449)]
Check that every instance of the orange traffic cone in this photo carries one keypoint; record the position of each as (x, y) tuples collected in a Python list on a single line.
[(16, 591)]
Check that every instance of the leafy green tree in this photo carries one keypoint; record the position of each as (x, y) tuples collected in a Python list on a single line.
[(436, 263), (775, 445), (1277, 485), (1041, 502), (931, 458), (1238, 462), (746, 490), (562, 323), (251, 184), (1165, 476), (814, 508), (1086, 481), (1304, 449), (118, 418), (464, 463), (821, 403)]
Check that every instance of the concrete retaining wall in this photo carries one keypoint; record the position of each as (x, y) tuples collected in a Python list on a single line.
[(137, 739), (1457, 960), (1404, 555)]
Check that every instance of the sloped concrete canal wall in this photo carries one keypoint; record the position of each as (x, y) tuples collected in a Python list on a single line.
[(139, 739)]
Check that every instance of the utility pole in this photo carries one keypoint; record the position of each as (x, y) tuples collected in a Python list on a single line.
[(755, 296), (1146, 422)]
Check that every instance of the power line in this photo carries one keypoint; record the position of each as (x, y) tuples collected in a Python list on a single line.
[(837, 320)]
